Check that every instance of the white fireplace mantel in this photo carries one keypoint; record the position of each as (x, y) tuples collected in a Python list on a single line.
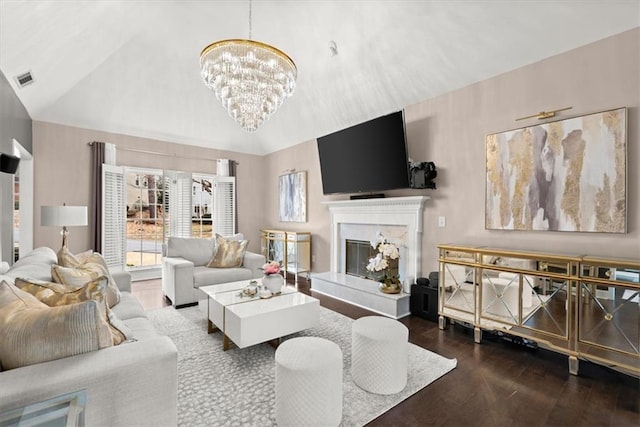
[(392, 211)]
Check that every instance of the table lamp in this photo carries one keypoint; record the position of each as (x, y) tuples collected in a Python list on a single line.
[(63, 216)]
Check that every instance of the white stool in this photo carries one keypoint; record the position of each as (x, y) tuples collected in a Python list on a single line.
[(528, 285), (308, 382), (500, 296), (379, 354)]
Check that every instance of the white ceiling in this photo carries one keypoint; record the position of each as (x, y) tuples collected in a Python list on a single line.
[(132, 67)]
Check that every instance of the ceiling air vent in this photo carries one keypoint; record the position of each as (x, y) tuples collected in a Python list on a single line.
[(25, 79)]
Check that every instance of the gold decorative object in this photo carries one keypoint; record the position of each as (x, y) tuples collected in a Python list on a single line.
[(544, 114), (249, 291), (251, 79), (391, 286)]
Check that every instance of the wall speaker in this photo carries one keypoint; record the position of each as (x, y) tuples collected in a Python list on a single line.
[(9, 163)]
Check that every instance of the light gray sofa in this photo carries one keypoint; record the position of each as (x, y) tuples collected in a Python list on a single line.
[(184, 269), (131, 384)]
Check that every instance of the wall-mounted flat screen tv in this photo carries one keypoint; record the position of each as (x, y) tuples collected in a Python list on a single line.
[(365, 158)]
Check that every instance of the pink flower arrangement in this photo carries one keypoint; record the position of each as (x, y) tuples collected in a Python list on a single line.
[(272, 267)]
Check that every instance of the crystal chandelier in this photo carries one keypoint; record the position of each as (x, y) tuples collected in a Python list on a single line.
[(250, 78)]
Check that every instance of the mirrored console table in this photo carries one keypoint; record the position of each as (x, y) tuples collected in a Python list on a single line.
[(292, 249), (585, 307)]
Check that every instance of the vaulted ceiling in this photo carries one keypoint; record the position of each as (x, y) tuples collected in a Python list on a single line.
[(132, 67)]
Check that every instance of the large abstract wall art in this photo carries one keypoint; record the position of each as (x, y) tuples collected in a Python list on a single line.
[(567, 175)]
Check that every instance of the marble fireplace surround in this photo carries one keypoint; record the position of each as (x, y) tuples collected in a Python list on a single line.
[(400, 219)]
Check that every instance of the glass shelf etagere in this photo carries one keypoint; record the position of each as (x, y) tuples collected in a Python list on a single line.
[(292, 249)]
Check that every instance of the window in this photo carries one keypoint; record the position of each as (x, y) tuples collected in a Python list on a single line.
[(202, 200), (145, 218), (143, 207)]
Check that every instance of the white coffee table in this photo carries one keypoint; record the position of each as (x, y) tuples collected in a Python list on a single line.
[(246, 321)]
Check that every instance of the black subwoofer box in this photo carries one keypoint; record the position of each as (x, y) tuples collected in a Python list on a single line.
[(424, 302)]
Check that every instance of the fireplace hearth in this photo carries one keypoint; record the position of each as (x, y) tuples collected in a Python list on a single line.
[(399, 219)]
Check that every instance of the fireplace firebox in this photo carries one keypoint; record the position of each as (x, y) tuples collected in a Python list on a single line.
[(358, 253)]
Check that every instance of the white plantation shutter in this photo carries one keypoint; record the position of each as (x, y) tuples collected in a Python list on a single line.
[(178, 187), (166, 217), (224, 205), (114, 214)]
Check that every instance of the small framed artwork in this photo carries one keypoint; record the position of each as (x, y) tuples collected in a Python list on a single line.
[(292, 202)]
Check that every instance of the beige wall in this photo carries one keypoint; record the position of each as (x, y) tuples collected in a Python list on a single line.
[(62, 174), (450, 130)]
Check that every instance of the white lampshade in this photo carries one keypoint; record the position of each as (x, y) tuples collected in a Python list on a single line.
[(63, 216)]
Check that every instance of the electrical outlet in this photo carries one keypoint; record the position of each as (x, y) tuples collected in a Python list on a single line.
[(442, 221), (313, 258)]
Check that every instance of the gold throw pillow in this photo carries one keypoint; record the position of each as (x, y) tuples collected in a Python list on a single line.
[(57, 294), (229, 253), (91, 268), (33, 332)]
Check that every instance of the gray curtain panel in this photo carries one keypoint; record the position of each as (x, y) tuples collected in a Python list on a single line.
[(95, 210)]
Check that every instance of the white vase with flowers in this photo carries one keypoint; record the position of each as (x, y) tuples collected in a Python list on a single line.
[(272, 279), (387, 251)]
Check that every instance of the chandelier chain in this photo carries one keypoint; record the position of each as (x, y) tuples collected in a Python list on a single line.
[(250, 3)]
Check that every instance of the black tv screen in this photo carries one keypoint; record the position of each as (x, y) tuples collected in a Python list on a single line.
[(368, 157)]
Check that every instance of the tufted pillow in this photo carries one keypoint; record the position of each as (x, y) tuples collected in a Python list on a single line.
[(93, 267), (229, 253), (57, 294), (33, 332)]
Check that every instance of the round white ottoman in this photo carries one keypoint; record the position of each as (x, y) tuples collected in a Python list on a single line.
[(379, 354), (308, 382)]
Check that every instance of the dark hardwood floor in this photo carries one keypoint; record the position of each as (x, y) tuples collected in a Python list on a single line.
[(496, 383)]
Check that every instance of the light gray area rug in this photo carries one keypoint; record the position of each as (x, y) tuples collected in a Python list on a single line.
[(236, 387)]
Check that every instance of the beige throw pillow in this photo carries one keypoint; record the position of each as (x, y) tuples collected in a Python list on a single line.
[(229, 253), (33, 332), (91, 268), (67, 259), (57, 294)]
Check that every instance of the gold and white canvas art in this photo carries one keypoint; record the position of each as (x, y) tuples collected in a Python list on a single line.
[(566, 175)]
